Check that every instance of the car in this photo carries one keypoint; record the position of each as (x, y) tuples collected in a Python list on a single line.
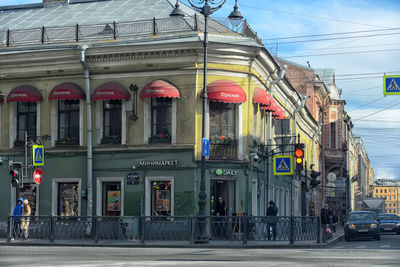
[(362, 224), (389, 222)]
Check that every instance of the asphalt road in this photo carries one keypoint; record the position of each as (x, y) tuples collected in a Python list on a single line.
[(356, 253)]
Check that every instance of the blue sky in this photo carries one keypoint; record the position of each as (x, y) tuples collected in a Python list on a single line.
[(358, 63)]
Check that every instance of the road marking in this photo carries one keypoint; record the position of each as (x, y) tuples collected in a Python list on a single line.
[(361, 247), (385, 246), (340, 247)]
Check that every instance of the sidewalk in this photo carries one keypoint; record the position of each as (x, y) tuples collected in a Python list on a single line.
[(338, 236)]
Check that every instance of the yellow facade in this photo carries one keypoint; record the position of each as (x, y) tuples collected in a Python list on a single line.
[(391, 195)]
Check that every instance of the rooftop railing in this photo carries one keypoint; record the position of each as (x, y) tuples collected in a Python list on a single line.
[(117, 31)]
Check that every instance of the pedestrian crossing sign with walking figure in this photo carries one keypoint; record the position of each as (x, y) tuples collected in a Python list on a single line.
[(283, 165), (38, 155), (391, 85)]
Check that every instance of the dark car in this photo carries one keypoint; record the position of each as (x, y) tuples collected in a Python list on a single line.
[(389, 223), (362, 224)]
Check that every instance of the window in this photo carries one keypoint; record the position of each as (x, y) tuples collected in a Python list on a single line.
[(376, 190), (161, 120), (161, 198), (222, 122), (333, 134), (390, 191), (381, 190), (68, 199), (112, 121), (68, 122), (26, 119), (111, 199), (385, 191)]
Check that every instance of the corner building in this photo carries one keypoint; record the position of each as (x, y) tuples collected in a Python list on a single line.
[(145, 83)]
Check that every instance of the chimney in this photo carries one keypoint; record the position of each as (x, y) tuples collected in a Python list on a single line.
[(55, 2)]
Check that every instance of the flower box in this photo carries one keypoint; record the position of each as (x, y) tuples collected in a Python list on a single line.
[(160, 138), (67, 141), (114, 139)]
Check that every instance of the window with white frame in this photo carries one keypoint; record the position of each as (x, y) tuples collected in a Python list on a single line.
[(68, 122), (222, 119), (112, 122), (26, 119), (161, 120)]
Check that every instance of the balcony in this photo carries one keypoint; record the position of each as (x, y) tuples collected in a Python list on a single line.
[(223, 151)]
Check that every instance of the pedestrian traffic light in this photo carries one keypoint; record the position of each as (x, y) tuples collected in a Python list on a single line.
[(299, 156), (14, 178), (314, 182)]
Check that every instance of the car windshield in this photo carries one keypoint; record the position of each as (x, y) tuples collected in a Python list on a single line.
[(388, 217), (361, 217)]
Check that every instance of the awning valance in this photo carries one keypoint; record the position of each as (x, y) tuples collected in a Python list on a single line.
[(226, 91), (66, 91), (160, 88), (261, 97), (24, 93), (110, 90)]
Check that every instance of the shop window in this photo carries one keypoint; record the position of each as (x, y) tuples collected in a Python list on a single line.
[(376, 190), (222, 123), (112, 122), (381, 191), (385, 191), (68, 122), (111, 199), (161, 120), (161, 198), (68, 199), (26, 122)]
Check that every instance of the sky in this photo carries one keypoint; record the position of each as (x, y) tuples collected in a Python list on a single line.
[(360, 58)]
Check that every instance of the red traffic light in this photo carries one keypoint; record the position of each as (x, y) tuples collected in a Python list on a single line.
[(14, 173), (299, 153)]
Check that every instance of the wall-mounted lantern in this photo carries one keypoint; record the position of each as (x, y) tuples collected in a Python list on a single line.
[(134, 88)]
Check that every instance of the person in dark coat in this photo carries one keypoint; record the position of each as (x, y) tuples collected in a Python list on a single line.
[(220, 211), (324, 222), (272, 211), (17, 219)]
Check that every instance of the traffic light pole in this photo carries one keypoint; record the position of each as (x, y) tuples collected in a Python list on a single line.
[(304, 191)]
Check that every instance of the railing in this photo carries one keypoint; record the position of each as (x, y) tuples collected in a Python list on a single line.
[(139, 229), (223, 151)]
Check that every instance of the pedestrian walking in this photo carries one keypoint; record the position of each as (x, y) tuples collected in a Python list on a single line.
[(16, 219), (272, 220), (325, 222), (26, 212), (220, 211)]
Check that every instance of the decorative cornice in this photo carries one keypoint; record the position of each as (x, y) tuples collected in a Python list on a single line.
[(142, 55)]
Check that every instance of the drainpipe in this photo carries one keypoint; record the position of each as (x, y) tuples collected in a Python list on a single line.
[(283, 69), (89, 158), (318, 132)]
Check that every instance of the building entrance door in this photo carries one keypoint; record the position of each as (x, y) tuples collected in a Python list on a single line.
[(225, 189)]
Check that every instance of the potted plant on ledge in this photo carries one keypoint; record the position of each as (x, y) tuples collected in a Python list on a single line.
[(67, 141)]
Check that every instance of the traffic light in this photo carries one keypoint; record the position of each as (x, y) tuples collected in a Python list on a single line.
[(299, 155), (314, 182), (14, 178)]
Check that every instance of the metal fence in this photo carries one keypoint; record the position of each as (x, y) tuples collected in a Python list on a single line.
[(114, 30), (243, 229)]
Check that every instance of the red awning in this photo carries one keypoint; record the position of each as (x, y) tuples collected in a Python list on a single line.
[(272, 107), (66, 91), (226, 91), (279, 113), (261, 97), (24, 93), (160, 88), (110, 90)]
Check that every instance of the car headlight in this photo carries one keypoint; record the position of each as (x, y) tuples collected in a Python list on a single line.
[(398, 224), (352, 226), (373, 225)]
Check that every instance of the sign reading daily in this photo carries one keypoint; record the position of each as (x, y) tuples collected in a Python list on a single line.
[(226, 172), (161, 163)]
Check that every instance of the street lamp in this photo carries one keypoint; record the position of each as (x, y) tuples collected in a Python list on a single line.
[(206, 8)]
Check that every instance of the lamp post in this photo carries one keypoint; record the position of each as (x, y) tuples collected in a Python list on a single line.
[(206, 8)]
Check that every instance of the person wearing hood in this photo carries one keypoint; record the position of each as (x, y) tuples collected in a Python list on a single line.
[(272, 220), (17, 219), (26, 212)]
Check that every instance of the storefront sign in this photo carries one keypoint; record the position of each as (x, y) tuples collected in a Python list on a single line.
[(226, 172), (113, 200), (159, 163), (132, 178)]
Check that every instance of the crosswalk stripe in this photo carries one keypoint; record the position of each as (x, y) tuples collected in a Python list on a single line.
[(385, 246), (361, 247), (339, 247)]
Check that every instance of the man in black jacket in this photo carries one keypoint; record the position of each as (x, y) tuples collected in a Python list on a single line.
[(272, 211)]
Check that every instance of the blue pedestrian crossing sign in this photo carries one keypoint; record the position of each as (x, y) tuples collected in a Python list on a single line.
[(283, 165), (38, 155), (391, 85), (205, 150)]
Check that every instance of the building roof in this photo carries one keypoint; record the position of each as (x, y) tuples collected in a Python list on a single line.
[(328, 77), (88, 12)]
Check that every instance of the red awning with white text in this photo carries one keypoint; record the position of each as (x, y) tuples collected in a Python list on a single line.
[(66, 91), (160, 88), (110, 90), (226, 91), (24, 93)]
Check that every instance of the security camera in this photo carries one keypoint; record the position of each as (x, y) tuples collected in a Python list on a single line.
[(133, 167)]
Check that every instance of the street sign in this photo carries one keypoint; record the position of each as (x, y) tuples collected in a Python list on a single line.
[(391, 85), (205, 151), (38, 155), (38, 176), (283, 165)]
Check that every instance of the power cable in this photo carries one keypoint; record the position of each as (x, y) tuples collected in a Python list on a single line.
[(373, 113), (373, 101)]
